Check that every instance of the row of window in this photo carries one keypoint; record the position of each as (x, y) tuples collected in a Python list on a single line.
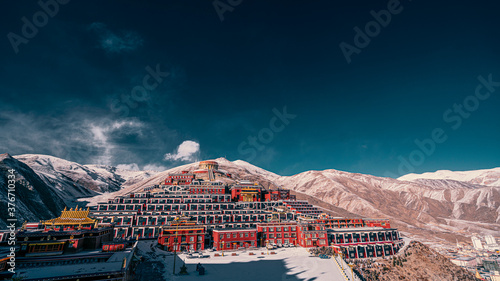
[(228, 245), (241, 235), (278, 229), (45, 248), (282, 241), (184, 239), (315, 235), (278, 235)]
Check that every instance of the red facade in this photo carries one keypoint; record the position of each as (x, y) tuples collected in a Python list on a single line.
[(280, 194), (232, 238), (183, 178), (279, 233), (182, 236), (312, 235), (113, 246)]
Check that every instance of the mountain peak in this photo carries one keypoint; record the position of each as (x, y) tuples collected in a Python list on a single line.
[(4, 156), (489, 177)]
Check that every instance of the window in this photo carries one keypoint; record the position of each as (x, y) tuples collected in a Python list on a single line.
[(293, 228), (246, 234), (271, 229), (285, 228), (228, 235), (278, 228), (241, 235), (234, 235), (191, 239)]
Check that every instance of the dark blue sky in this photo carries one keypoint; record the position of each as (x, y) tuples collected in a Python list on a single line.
[(82, 85)]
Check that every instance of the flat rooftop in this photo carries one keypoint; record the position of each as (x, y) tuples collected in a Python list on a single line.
[(112, 265), (350, 229)]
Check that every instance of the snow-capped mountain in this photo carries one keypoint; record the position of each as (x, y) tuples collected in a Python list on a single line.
[(444, 207), (73, 180), (47, 184), (490, 177), (34, 199), (98, 178), (239, 169)]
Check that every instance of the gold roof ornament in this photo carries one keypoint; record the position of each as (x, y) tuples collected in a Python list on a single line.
[(72, 217)]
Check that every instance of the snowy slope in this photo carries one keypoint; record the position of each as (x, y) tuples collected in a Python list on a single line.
[(490, 177), (442, 205), (453, 203), (34, 199), (445, 206), (75, 181), (239, 169)]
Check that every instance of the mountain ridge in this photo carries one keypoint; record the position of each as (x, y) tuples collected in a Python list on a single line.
[(447, 208)]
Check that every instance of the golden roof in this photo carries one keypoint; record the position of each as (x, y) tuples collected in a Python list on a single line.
[(72, 217)]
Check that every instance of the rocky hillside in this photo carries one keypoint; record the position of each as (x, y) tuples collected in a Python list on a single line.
[(99, 178), (428, 209), (239, 169), (35, 199), (415, 262), (46, 184), (431, 210), (446, 209), (489, 177)]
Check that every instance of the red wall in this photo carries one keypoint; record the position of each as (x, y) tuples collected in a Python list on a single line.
[(220, 238)]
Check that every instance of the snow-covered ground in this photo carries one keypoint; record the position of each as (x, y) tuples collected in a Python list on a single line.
[(286, 264)]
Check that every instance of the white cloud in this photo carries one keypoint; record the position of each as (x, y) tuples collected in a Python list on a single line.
[(186, 151), (111, 42), (135, 167), (128, 167), (100, 137)]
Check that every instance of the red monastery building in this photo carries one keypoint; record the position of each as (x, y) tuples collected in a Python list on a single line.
[(180, 179), (71, 232), (234, 238), (182, 235), (246, 191), (277, 233), (226, 214)]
